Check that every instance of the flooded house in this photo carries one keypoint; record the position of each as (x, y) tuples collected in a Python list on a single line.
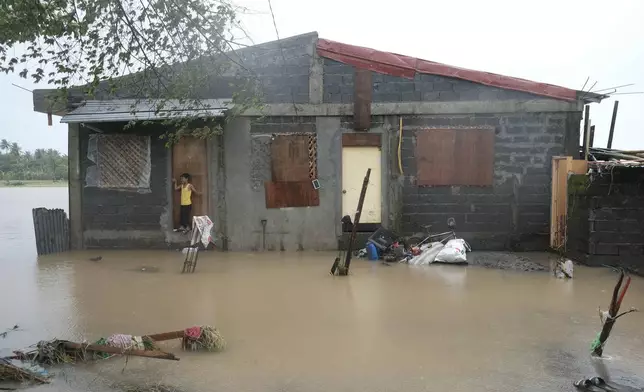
[(441, 141)]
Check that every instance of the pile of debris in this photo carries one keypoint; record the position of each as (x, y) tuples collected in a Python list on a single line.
[(27, 365), (425, 249), (608, 156), (419, 249)]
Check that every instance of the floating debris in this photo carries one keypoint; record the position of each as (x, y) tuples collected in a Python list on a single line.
[(5, 333), (11, 370), (147, 388), (148, 269), (62, 351), (203, 338), (194, 338)]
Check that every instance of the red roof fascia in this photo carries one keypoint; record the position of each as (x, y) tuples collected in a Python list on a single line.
[(406, 67)]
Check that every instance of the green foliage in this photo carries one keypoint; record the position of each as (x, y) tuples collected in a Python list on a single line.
[(102, 49), (577, 184), (43, 164)]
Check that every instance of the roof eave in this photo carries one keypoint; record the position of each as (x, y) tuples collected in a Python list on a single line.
[(588, 97)]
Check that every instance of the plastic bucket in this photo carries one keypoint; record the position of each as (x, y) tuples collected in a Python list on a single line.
[(372, 252)]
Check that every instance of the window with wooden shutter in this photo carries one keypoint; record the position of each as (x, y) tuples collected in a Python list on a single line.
[(455, 157), (290, 158), (293, 168)]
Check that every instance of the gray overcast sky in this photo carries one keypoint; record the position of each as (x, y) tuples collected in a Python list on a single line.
[(555, 41)]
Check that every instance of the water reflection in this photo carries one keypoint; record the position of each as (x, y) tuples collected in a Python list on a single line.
[(290, 326)]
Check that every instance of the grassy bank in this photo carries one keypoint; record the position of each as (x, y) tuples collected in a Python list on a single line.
[(32, 183)]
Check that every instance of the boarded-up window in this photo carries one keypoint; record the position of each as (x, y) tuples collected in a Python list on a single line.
[(290, 158), (293, 168), (291, 194), (455, 157), (120, 162)]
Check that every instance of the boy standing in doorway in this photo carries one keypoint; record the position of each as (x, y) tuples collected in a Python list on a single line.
[(185, 211)]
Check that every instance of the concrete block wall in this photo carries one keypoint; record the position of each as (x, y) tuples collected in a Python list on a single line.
[(278, 72), (338, 87), (606, 219), (247, 165), (514, 213), (127, 219), (280, 69)]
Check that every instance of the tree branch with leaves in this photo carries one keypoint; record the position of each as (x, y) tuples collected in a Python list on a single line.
[(144, 49)]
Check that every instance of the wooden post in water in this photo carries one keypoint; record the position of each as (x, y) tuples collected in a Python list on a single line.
[(344, 269), (597, 346)]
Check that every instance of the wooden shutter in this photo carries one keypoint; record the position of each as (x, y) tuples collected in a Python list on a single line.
[(291, 194), (455, 157), (293, 167), (290, 158)]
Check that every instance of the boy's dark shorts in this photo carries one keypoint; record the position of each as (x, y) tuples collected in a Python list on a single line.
[(184, 216)]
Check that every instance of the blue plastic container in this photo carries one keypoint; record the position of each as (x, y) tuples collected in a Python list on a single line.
[(372, 251)]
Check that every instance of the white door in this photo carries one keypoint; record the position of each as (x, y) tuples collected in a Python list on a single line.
[(355, 162)]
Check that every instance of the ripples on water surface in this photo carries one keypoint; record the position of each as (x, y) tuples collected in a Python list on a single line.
[(292, 327)]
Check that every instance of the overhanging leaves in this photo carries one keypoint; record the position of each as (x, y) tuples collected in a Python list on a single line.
[(161, 49)]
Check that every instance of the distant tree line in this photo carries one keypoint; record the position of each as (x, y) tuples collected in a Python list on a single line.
[(41, 164)]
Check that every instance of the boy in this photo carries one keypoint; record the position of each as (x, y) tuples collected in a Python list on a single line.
[(187, 189)]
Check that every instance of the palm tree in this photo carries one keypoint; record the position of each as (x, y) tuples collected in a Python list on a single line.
[(4, 145), (15, 148)]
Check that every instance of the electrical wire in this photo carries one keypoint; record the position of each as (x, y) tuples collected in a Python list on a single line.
[(400, 134)]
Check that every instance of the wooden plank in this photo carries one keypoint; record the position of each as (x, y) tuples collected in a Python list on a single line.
[(561, 168), (362, 97), (99, 348), (361, 140), (558, 165), (290, 158), (435, 157), (189, 155), (474, 157), (455, 157), (578, 166), (291, 194)]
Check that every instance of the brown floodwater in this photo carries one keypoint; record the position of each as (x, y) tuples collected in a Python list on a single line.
[(290, 326)]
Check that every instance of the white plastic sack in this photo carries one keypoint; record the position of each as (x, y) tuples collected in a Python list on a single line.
[(201, 230), (568, 268), (453, 252), (428, 254), (564, 269)]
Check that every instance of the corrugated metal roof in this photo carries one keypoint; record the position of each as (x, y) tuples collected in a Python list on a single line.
[(118, 110), (405, 66)]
